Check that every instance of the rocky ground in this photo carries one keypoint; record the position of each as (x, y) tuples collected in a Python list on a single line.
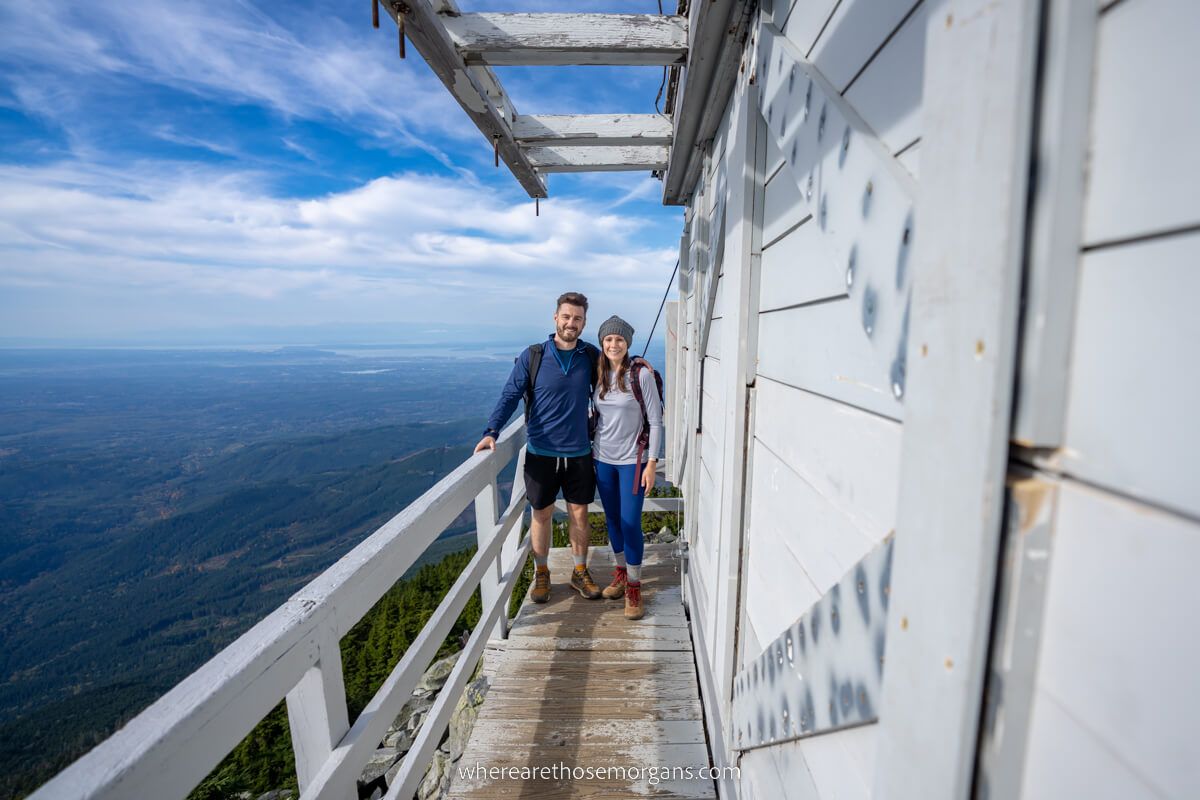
[(663, 536)]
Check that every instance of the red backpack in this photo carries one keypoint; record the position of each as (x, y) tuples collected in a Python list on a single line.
[(637, 364)]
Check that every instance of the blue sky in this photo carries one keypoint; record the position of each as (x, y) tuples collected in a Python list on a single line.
[(176, 171)]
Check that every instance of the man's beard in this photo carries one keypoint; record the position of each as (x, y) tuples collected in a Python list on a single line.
[(567, 335)]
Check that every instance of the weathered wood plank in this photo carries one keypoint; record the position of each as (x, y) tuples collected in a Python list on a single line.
[(597, 159), (535, 705), (576, 688), (582, 669), (575, 732), (609, 631), (658, 643), (504, 658), (518, 39), (580, 130), (557, 701), (475, 88)]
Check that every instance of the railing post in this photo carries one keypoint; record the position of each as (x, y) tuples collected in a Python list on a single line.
[(316, 709), (508, 551), (487, 506)]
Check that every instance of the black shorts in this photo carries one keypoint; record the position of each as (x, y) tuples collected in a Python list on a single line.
[(545, 475)]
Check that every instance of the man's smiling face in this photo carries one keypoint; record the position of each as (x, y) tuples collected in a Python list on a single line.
[(569, 321)]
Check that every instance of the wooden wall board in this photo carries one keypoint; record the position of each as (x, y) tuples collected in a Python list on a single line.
[(855, 31), (760, 778), (822, 348), (803, 535), (1119, 637), (833, 762), (788, 589), (806, 21), (1065, 760), (887, 95), (1134, 377), (783, 208), (795, 270), (1144, 161), (850, 457)]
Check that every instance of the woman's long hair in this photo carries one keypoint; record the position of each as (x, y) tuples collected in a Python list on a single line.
[(604, 370)]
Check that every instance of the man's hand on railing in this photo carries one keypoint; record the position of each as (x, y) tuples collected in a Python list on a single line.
[(486, 443)]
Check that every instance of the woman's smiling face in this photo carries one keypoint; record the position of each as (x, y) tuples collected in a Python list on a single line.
[(615, 346)]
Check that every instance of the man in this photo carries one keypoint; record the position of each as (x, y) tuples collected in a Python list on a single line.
[(558, 451)]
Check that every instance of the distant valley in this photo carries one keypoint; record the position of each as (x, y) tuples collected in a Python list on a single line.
[(155, 504)]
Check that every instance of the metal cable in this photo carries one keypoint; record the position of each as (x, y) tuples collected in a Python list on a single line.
[(667, 291)]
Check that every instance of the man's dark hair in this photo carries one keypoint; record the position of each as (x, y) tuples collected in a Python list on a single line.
[(573, 299)]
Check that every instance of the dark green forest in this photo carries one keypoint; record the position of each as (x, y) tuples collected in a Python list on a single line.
[(264, 760)]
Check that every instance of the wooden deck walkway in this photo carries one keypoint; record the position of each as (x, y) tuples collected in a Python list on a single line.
[(576, 685)]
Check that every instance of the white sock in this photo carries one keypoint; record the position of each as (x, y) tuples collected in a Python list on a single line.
[(619, 558), (579, 560), (635, 573), (540, 560)]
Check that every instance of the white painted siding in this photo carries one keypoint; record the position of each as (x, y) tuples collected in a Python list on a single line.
[(1144, 159), (1113, 697), (1111, 693), (1116, 694)]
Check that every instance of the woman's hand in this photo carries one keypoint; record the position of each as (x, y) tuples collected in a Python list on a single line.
[(648, 474)]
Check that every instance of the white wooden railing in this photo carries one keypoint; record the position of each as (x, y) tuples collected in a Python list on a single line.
[(294, 653)]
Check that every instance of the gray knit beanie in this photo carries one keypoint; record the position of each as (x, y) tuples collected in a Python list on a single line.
[(615, 324)]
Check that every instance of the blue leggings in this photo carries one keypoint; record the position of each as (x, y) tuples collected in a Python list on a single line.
[(622, 508)]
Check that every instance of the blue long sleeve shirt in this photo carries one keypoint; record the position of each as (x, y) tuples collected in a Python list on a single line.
[(558, 421)]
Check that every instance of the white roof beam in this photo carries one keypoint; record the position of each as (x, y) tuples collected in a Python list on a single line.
[(592, 130), (598, 159), (475, 88), (556, 39), (718, 31)]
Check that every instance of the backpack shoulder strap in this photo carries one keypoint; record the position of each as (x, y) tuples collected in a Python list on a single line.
[(535, 363), (593, 354), (636, 365)]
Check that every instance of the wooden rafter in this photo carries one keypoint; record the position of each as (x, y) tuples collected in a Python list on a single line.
[(591, 130), (475, 88), (598, 159), (556, 39)]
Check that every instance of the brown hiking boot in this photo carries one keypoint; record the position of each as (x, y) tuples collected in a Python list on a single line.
[(540, 592), (633, 600), (581, 580), (617, 587)]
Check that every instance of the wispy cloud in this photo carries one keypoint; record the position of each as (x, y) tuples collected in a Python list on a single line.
[(317, 67), (164, 190), (205, 231)]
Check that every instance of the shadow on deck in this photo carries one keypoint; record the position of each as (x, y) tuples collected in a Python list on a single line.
[(576, 686)]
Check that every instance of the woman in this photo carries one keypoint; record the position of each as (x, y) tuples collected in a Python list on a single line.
[(621, 478)]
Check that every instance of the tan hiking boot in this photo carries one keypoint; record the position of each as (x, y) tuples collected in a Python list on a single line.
[(633, 600), (581, 580), (617, 587), (540, 591)]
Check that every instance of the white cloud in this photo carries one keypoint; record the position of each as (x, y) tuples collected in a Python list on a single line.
[(198, 239), (200, 231)]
